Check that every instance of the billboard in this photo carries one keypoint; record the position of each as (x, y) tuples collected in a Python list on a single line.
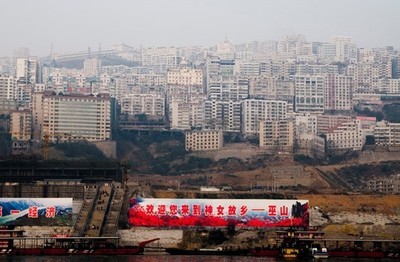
[(36, 211), (165, 212)]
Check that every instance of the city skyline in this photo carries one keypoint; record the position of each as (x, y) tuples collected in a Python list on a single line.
[(77, 26)]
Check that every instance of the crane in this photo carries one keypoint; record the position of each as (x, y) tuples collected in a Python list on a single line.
[(46, 141)]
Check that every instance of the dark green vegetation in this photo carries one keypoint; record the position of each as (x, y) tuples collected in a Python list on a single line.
[(156, 152), (357, 176), (392, 112), (80, 149), (367, 112), (5, 138)]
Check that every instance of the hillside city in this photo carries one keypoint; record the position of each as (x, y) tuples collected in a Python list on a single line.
[(315, 101)]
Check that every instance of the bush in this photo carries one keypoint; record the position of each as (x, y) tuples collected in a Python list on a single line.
[(80, 149)]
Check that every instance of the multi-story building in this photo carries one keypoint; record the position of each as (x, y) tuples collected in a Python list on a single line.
[(387, 134), (28, 71), (277, 135), (159, 59), (305, 132), (8, 86), (275, 88), (345, 49), (23, 94), (74, 117), (338, 92), (327, 122), (385, 185), (185, 106), (222, 115), (185, 115), (309, 93), (203, 140), (347, 135), (367, 124), (327, 52), (366, 75), (5, 65), (21, 125), (248, 69), (255, 110), (184, 76), (293, 45), (389, 86), (37, 114), (396, 66), (136, 79), (312, 69), (91, 67), (278, 68), (218, 70), (234, 88), (6, 106), (152, 104)]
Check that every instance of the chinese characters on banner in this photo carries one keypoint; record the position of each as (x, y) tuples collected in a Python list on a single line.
[(210, 210), (218, 212), (36, 211), (33, 212)]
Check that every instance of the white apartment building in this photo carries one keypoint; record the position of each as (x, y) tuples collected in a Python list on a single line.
[(203, 140), (185, 115), (222, 115), (152, 104), (234, 88), (6, 106), (312, 69), (271, 88), (8, 86), (338, 92), (387, 134), (345, 49), (293, 44), (23, 94), (75, 117), (247, 68), (327, 52), (277, 134), (184, 93), (309, 93), (278, 68), (218, 69), (21, 125), (146, 79), (255, 110), (184, 76), (159, 59), (348, 135), (306, 124), (366, 75), (37, 114), (389, 86), (91, 67), (305, 133), (28, 70)]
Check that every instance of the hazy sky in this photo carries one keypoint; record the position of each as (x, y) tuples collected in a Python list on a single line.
[(74, 25)]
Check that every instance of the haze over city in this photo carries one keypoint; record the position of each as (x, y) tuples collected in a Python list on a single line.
[(76, 25)]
